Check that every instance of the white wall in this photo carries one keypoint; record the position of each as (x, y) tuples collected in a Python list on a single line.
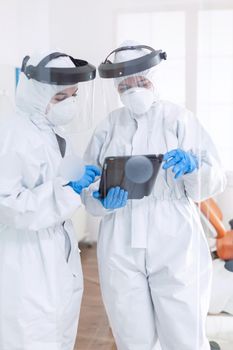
[(24, 28)]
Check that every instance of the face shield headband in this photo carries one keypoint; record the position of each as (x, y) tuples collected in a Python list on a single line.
[(107, 69), (83, 71)]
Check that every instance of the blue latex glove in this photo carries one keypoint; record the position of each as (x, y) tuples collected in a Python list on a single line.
[(181, 161), (116, 198), (91, 171)]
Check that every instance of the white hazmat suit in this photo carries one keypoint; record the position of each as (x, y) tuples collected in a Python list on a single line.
[(41, 281), (154, 261)]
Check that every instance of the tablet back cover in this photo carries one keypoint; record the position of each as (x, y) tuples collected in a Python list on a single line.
[(114, 175)]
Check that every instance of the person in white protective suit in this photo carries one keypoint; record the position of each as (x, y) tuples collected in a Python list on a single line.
[(154, 262), (41, 281)]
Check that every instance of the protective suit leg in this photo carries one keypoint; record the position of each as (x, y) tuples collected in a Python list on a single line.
[(126, 294), (43, 311), (179, 269), (71, 315), (72, 308)]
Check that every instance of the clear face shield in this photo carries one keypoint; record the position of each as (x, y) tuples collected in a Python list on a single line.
[(70, 81), (130, 81), (71, 110), (137, 93), (6, 105)]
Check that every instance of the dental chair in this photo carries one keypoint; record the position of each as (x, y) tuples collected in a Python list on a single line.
[(220, 239)]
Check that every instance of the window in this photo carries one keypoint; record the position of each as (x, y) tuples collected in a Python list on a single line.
[(215, 78)]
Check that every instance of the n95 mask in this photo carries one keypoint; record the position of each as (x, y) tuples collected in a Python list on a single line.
[(138, 100), (62, 112)]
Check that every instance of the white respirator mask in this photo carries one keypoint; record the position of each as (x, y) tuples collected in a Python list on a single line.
[(63, 112), (138, 100)]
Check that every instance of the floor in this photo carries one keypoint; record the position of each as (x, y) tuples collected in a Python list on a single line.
[(94, 332)]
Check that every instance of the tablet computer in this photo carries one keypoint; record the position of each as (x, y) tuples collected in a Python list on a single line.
[(135, 174)]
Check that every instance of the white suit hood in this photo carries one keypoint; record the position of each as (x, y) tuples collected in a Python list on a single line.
[(32, 97), (127, 55)]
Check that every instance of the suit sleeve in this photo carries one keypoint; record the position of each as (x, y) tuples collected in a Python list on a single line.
[(209, 179)]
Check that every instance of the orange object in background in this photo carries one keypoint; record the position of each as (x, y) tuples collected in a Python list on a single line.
[(225, 246), (224, 242), (213, 213)]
